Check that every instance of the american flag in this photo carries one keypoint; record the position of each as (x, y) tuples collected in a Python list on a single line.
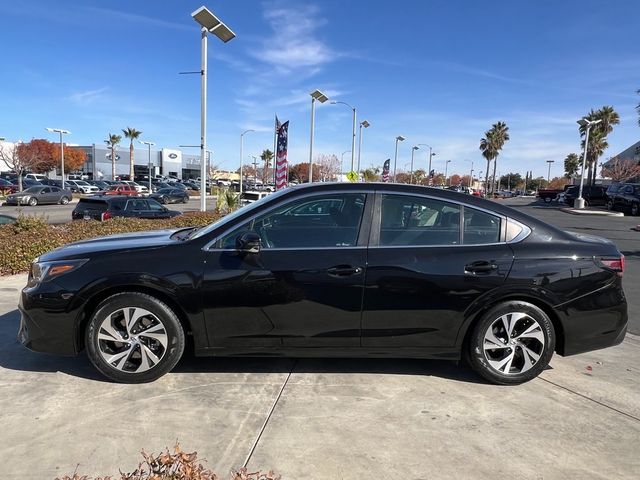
[(385, 170), (281, 155)]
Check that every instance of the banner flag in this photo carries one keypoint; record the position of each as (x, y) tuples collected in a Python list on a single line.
[(385, 170), (281, 156)]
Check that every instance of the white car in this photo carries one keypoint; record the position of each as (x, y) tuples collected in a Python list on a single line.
[(139, 188), (38, 177), (81, 186)]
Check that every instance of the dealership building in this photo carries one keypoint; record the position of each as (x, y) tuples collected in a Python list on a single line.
[(166, 161)]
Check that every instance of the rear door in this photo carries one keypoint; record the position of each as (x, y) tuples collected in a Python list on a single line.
[(428, 261)]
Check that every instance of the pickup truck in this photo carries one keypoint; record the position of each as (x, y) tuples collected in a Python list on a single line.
[(549, 194)]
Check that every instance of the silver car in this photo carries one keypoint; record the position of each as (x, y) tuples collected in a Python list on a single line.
[(40, 195)]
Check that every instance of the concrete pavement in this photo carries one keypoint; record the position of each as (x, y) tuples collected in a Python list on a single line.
[(343, 419)]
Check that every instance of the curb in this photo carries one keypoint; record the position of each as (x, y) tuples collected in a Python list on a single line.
[(602, 213)]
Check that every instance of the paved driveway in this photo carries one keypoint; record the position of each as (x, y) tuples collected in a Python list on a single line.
[(342, 419)]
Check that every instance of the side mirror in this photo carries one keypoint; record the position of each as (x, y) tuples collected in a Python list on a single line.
[(248, 242)]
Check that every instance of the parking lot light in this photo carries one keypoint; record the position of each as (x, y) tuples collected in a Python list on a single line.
[(399, 138), (61, 132), (320, 97), (242, 154), (363, 124), (148, 144)]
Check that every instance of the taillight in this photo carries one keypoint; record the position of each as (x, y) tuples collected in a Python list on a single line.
[(615, 264), (105, 216)]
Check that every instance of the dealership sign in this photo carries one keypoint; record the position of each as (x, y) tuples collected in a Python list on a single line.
[(173, 156), (108, 155)]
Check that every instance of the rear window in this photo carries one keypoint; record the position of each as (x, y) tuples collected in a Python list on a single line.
[(91, 204)]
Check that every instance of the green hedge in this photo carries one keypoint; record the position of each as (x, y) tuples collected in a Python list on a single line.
[(31, 236)]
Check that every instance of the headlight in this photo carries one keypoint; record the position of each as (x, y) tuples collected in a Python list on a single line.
[(43, 271)]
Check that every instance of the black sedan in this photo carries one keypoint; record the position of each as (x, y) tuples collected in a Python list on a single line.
[(103, 207), (346, 270), (40, 195), (170, 195)]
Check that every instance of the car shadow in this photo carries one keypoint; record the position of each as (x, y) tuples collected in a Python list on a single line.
[(14, 356)]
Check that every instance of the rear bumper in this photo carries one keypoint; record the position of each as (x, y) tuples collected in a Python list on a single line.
[(596, 321)]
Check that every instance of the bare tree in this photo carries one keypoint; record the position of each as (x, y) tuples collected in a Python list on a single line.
[(9, 155), (621, 170), (328, 167)]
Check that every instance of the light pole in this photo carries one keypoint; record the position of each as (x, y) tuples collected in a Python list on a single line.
[(549, 172), (579, 202), (342, 160), (399, 138), (470, 174), (321, 97), (353, 133), (242, 155), (413, 150), (363, 124), (209, 23), (61, 132), (148, 144), (446, 169)]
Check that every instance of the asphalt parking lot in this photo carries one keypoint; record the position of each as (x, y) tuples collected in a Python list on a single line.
[(343, 419)]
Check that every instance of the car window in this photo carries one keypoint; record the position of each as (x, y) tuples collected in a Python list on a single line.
[(46, 190), (155, 206), (480, 227), (287, 227), (137, 205), (418, 221)]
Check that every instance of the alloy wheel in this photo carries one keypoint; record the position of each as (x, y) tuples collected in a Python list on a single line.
[(513, 343), (132, 340)]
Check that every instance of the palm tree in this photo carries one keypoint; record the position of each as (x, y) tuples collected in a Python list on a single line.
[(499, 136), (132, 134), (571, 165), (598, 136), (267, 157), (111, 141)]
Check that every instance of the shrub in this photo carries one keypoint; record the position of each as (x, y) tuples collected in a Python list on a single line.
[(175, 466), (30, 236)]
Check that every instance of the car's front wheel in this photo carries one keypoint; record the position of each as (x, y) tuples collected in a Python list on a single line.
[(33, 201), (635, 209), (64, 200), (512, 343), (134, 338), (609, 205)]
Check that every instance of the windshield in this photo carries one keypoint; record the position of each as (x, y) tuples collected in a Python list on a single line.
[(241, 211)]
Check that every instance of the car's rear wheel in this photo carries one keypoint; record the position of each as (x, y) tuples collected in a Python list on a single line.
[(64, 200), (185, 200), (547, 199), (512, 343), (635, 210), (609, 205), (33, 201), (134, 338)]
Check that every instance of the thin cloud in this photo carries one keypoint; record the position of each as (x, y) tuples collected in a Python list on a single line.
[(87, 96), (140, 20)]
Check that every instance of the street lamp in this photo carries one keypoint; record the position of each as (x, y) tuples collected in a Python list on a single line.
[(61, 132), (363, 124), (242, 155), (413, 150), (579, 202), (399, 138), (471, 174), (209, 23), (353, 132), (549, 172), (342, 160), (431, 154), (446, 169), (321, 97), (148, 144)]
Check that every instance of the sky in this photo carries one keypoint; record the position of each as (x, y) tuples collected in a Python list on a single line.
[(437, 72)]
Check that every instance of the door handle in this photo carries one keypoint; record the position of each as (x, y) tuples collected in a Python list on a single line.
[(344, 271), (481, 266)]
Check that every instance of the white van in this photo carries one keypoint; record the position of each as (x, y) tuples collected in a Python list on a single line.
[(38, 177)]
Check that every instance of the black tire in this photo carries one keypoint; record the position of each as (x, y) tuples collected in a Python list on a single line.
[(547, 199), (635, 209), (610, 205), (64, 201), (163, 200), (480, 357), (160, 313), (185, 200), (33, 201)]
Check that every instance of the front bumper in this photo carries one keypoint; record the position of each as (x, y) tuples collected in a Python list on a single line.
[(49, 319)]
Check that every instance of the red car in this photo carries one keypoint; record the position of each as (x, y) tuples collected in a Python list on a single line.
[(121, 190)]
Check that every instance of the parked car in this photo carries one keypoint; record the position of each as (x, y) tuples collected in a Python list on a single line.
[(627, 199), (160, 185), (101, 184), (6, 187), (139, 188), (251, 196), (548, 195), (592, 194), (52, 182), (170, 195), (81, 186), (38, 177), (120, 189), (387, 270), (191, 186), (40, 195), (104, 208)]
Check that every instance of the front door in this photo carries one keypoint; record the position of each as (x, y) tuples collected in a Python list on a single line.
[(303, 289), (429, 260)]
